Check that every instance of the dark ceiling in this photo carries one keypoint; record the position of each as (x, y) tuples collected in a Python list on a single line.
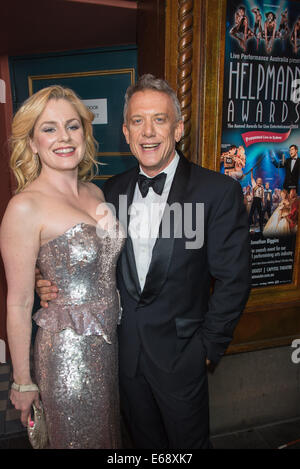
[(33, 26)]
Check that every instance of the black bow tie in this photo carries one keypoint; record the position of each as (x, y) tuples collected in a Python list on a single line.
[(157, 183)]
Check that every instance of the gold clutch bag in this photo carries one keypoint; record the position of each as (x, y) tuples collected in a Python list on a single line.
[(37, 429)]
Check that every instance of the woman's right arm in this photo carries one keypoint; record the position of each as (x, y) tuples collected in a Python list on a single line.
[(19, 243)]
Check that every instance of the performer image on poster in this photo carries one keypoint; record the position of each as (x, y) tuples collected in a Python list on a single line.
[(258, 201), (284, 29), (278, 224), (241, 31), (270, 30), (276, 198), (276, 209), (296, 35), (293, 215), (244, 29), (267, 207), (234, 161), (239, 163), (292, 168), (248, 198), (228, 159), (257, 25)]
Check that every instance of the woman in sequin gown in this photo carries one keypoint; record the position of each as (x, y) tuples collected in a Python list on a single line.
[(61, 223)]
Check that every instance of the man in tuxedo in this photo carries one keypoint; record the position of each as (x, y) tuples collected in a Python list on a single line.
[(292, 168), (186, 226), (257, 202)]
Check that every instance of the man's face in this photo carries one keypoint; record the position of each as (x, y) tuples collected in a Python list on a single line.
[(267, 185), (259, 181), (151, 130), (293, 152)]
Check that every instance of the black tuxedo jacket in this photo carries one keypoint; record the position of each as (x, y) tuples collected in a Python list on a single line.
[(177, 320), (291, 177)]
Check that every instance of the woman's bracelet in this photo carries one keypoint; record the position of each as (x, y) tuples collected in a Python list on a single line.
[(24, 387)]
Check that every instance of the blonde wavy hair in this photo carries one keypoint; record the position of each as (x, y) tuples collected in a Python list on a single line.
[(25, 165)]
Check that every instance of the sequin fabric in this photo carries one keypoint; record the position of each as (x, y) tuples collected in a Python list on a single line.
[(75, 354)]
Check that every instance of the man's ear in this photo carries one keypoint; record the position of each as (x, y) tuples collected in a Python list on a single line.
[(179, 130)]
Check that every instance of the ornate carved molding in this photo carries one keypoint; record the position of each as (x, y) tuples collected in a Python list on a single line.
[(184, 70)]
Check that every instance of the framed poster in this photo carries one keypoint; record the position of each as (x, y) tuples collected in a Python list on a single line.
[(240, 72), (260, 129)]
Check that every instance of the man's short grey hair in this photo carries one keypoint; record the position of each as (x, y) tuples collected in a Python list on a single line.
[(149, 82)]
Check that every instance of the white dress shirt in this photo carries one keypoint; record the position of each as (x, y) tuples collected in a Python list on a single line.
[(293, 162), (145, 218)]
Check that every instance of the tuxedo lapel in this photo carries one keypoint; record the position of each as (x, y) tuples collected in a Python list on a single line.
[(127, 261), (296, 166), (163, 248)]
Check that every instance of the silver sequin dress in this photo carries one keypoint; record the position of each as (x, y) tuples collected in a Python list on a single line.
[(75, 351)]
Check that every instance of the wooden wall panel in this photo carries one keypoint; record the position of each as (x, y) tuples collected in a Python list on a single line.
[(184, 60), (5, 176), (151, 37)]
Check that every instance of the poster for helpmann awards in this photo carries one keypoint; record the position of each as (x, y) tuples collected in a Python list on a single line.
[(261, 128)]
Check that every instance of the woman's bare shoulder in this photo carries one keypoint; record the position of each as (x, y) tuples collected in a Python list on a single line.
[(94, 190), (23, 203), (25, 207), (21, 220)]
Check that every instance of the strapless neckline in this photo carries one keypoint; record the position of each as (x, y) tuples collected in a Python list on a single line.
[(81, 261), (82, 224)]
